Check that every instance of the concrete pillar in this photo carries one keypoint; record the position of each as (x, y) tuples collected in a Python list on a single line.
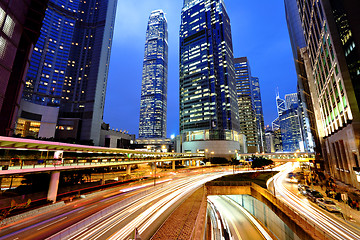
[(53, 186), (128, 169), (173, 165), (183, 162), (193, 163)]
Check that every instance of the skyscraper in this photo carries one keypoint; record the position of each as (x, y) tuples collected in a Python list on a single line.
[(332, 63), (20, 24), (46, 74), (280, 105), (290, 99), (291, 130), (259, 113), (70, 65), (208, 106), (298, 44), (154, 78), (248, 89)]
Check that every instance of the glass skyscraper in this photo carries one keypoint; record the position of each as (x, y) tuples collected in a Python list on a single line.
[(70, 63), (46, 74), (246, 101), (259, 113), (153, 103), (290, 128), (208, 106)]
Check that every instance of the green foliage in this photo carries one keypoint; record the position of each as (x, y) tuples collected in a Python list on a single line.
[(234, 161), (219, 160), (260, 162)]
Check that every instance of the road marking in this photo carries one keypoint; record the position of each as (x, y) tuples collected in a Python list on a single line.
[(86, 209), (236, 230), (51, 223)]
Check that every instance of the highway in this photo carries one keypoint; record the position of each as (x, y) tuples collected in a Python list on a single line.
[(146, 212), (334, 227), (231, 221)]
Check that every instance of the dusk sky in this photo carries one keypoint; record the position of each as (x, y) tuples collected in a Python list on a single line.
[(259, 32)]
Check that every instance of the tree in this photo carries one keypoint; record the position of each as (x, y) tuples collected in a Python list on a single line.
[(260, 162), (234, 162)]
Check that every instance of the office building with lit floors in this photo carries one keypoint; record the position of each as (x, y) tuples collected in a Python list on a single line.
[(331, 30), (259, 113), (290, 127), (247, 91), (69, 66), (153, 103), (20, 24), (303, 95), (209, 117)]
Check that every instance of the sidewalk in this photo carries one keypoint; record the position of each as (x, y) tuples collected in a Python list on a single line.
[(352, 216)]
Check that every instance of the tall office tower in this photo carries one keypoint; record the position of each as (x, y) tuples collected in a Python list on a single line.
[(209, 119), (269, 138), (280, 105), (278, 140), (290, 99), (291, 130), (297, 40), (332, 62), (259, 113), (46, 74), (154, 78), (246, 101), (275, 124), (20, 24), (70, 65)]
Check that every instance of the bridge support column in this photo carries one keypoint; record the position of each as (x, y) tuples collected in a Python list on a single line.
[(182, 162), (173, 165), (193, 163), (53, 186), (128, 169)]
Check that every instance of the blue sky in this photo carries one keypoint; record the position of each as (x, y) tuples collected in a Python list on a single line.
[(259, 32)]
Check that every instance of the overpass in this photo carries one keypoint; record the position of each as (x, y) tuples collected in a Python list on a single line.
[(280, 156), (25, 156)]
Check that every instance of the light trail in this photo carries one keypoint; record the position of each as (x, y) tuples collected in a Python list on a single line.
[(142, 213), (333, 228)]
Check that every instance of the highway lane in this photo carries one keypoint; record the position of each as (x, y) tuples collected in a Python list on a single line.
[(331, 225), (147, 214), (234, 222), (45, 225)]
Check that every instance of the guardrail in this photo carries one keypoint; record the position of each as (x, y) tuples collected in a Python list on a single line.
[(82, 163), (293, 213)]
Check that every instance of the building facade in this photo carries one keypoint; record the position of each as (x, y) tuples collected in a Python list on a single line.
[(297, 40), (290, 99), (69, 67), (259, 113), (208, 103), (246, 94), (291, 130), (153, 103), (332, 62), (19, 31)]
